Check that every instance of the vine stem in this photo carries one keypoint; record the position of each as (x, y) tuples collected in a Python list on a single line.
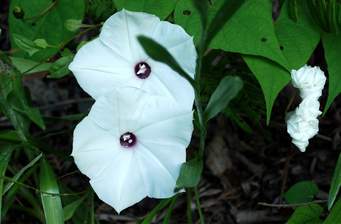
[(197, 202)]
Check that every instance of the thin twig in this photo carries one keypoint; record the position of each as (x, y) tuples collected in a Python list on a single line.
[(291, 205)]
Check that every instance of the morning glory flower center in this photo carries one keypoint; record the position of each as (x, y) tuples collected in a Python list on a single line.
[(128, 140), (142, 70)]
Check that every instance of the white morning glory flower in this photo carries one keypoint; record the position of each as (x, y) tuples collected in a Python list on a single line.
[(116, 59), (309, 80), (302, 123), (132, 145)]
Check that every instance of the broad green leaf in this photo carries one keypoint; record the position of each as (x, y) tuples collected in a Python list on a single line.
[(272, 79), (334, 216), (190, 173), (159, 53), (5, 155), (70, 209), (160, 8), (336, 184), (223, 14), (297, 39), (20, 173), (301, 192), (44, 19), (60, 68), (227, 89), (29, 66), (50, 197), (202, 7), (309, 214), (249, 31), (332, 54), (150, 216)]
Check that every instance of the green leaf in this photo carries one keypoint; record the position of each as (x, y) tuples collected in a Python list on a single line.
[(224, 13), (50, 197), (190, 173), (20, 173), (60, 68), (297, 42), (44, 19), (271, 77), (249, 31), (25, 44), (73, 24), (9, 135), (202, 7), (29, 66), (159, 53), (162, 204), (5, 155), (227, 89), (41, 43), (70, 209), (293, 10), (297, 39), (332, 54), (335, 184), (32, 113), (335, 214), (309, 214), (160, 8), (301, 192)]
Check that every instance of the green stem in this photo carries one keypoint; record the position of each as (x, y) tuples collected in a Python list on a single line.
[(197, 202)]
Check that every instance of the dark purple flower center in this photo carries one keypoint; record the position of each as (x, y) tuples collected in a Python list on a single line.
[(128, 140), (142, 70)]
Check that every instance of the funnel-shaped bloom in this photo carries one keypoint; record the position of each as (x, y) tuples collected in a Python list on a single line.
[(116, 59), (131, 145)]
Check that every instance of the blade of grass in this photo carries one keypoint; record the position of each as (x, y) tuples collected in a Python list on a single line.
[(5, 155), (52, 203), (21, 172)]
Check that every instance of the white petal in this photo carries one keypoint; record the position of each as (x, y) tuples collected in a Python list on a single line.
[(174, 86), (129, 109), (175, 39), (98, 69), (158, 178), (122, 184), (93, 148), (120, 33), (176, 130)]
